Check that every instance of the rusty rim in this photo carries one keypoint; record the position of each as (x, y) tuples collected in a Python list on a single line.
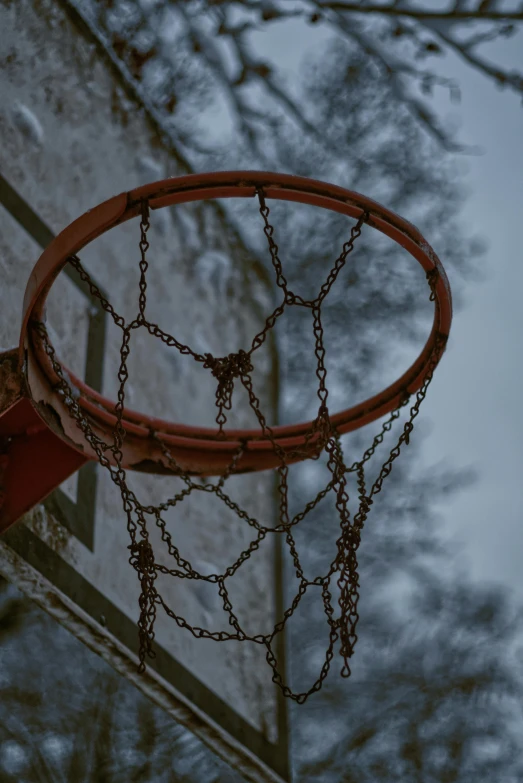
[(200, 450)]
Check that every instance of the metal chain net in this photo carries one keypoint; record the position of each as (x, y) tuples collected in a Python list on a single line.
[(343, 571)]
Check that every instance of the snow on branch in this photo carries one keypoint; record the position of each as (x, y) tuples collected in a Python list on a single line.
[(163, 42)]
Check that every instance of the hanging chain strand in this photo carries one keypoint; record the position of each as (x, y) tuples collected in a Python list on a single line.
[(239, 366), (144, 264)]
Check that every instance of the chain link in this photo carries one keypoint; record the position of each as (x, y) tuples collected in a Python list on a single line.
[(226, 370), (144, 264)]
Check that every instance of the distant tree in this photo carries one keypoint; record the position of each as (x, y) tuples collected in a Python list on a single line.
[(441, 701), (157, 39), (435, 692)]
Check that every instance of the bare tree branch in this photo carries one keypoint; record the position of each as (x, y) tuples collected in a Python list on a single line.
[(395, 70), (217, 35), (482, 11), (465, 50)]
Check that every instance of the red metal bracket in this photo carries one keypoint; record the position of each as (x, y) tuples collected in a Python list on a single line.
[(33, 461)]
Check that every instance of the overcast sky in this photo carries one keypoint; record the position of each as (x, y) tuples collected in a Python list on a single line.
[(475, 402)]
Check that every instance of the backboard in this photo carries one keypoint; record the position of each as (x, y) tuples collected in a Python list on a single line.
[(70, 553)]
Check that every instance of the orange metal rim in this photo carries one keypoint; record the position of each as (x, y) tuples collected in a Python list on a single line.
[(202, 448)]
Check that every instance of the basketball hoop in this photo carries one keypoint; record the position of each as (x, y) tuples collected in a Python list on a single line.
[(121, 439)]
